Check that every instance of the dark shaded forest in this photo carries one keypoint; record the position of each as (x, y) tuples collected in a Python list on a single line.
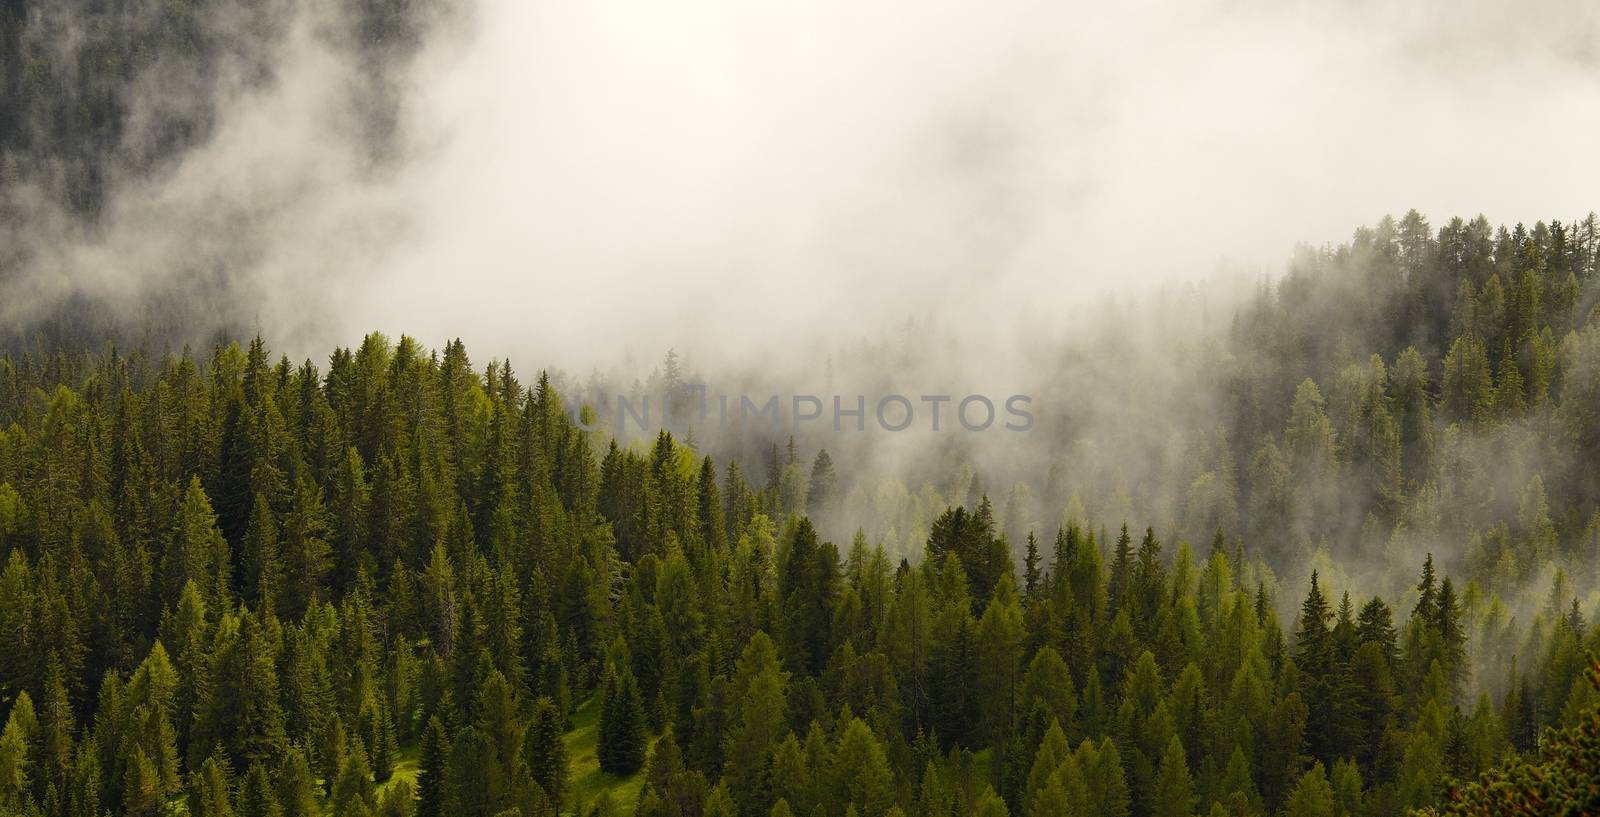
[(406, 584)]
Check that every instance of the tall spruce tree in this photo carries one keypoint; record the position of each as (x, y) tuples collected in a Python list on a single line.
[(621, 748)]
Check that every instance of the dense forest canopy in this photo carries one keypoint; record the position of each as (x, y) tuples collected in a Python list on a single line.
[(403, 583)]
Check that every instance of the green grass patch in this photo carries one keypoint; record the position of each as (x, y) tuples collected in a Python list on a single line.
[(583, 765), (405, 768)]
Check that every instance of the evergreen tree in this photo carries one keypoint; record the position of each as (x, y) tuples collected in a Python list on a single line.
[(257, 797), (820, 490), (1311, 796), (808, 584), (56, 727), (476, 782), (384, 747), (15, 757), (1174, 789), (757, 721), (432, 786), (353, 790), (999, 654), (209, 790), (262, 573), (622, 725), (296, 788), (545, 752), (1121, 572), (1426, 592), (713, 524), (198, 552), (1031, 577), (307, 555), (864, 774), (1452, 635), (1375, 626), (1315, 657)]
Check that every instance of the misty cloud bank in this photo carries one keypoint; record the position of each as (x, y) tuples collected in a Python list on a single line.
[(755, 182)]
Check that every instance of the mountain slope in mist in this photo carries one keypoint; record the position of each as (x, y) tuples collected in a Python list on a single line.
[(211, 568), (1317, 543), (153, 156)]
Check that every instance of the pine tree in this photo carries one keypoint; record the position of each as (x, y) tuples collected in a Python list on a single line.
[(296, 788), (473, 775), (1237, 784), (262, 576), (1280, 759), (1311, 796), (198, 552), (1174, 788), (1149, 583), (712, 522), (1452, 635), (18, 650), (1048, 684), (353, 789), (1426, 592), (1309, 438), (808, 585), (432, 786), (865, 778), (1375, 625), (56, 727), (14, 754), (384, 747), (242, 710), (141, 785), (1122, 572), (820, 491), (1314, 656), (257, 797), (990, 804), (307, 556), (349, 529), (1468, 388), (757, 720), (622, 725), (209, 790), (545, 751), (999, 654), (1031, 577)]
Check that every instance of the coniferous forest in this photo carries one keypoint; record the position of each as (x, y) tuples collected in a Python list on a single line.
[(1326, 544), (404, 582)]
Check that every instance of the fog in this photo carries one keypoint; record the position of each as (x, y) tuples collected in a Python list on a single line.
[(740, 179), (589, 184)]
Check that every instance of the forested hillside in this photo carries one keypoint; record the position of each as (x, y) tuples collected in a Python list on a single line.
[(405, 584)]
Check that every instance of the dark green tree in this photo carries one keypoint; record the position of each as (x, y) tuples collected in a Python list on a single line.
[(622, 740), (432, 786)]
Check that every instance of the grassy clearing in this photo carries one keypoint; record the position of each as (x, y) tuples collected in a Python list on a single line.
[(405, 768), (583, 765)]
